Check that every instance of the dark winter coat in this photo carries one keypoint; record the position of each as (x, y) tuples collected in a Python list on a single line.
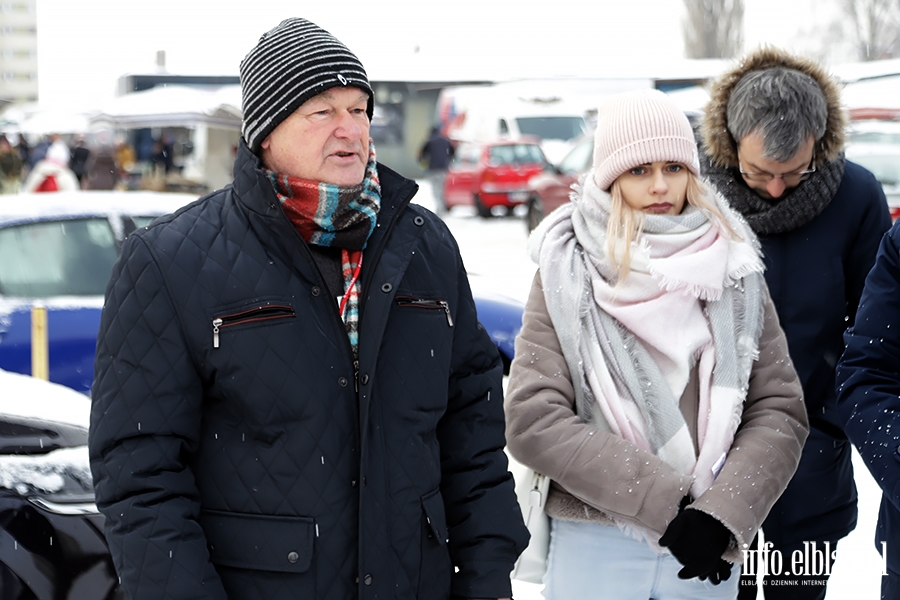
[(868, 377), (437, 151), (251, 457), (815, 274)]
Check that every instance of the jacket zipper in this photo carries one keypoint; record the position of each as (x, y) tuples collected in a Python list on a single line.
[(253, 315), (425, 303)]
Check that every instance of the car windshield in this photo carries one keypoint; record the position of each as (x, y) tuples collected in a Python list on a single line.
[(57, 258), (551, 128), (516, 154)]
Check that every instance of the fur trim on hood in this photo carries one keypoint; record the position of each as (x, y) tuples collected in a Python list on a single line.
[(721, 147)]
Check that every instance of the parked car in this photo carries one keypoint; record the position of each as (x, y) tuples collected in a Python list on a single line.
[(550, 188), (53, 546), (57, 251), (492, 174), (501, 317), (883, 159)]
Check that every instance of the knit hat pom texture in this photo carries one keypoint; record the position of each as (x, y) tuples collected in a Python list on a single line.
[(292, 63), (636, 128)]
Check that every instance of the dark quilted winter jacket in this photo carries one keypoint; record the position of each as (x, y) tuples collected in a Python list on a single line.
[(238, 451)]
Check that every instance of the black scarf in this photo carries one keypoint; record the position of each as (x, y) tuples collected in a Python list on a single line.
[(769, 217)]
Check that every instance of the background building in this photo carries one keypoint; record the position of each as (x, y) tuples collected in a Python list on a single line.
[(18, 51)]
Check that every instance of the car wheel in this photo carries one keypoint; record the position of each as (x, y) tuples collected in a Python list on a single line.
[(483, 211), (535, 213)]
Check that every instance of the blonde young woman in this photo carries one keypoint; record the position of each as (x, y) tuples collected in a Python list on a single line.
[(652, 381)]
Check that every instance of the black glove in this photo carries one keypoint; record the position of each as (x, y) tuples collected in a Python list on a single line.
[(718, 574), (697, 541)]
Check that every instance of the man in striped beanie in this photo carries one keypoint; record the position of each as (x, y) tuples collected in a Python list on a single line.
[(293, 397)]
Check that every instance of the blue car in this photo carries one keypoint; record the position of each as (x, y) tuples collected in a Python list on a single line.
[(57, 251)]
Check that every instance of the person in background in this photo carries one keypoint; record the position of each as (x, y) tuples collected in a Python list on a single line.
[(52, 173), (436, 153), (293, 397), (78, 158), (868, 380), (101, 172), (651, 380), (10, 168), (773, 140), (125, 160)]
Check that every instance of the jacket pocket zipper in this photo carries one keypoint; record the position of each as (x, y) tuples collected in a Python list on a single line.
[(427, 304), (253, 315)]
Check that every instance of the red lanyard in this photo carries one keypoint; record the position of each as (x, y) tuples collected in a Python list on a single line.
[(353, 280)]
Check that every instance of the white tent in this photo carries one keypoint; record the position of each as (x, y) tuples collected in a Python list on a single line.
[(173, 106), (40, 121), (213, 115)]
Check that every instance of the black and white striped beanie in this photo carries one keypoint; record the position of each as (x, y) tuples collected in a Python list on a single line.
[(292, 63)]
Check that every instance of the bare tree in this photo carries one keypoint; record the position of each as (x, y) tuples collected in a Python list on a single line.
[(874, 27), (714, 28)]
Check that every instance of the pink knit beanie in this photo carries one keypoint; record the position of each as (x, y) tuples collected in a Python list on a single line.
[(635, 128)]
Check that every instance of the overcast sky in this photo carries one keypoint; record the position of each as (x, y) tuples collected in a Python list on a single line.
[(85, 45)]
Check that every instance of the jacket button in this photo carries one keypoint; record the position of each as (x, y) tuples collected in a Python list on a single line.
[(353, 483), (419, 221), (387, 287), (342, 382), (367, 580), (364, 379), (315, 290), (293, 557)]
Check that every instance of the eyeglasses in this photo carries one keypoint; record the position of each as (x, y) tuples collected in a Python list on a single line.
[(792, 178)]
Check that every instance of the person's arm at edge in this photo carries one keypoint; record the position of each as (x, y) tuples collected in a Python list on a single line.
[(145, 418), (868, 373)]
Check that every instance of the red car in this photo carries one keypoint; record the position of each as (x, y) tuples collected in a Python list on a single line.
[(489, 174), (550, 188)]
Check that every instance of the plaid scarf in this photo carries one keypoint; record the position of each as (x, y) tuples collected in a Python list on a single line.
[(329, 215)]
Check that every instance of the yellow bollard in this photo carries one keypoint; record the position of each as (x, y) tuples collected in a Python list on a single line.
[(40, 356)]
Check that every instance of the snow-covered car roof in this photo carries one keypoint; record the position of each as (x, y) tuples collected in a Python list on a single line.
[(21, 208), (25, 396)]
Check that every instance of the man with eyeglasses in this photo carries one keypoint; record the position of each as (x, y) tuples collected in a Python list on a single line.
[(772, 144)]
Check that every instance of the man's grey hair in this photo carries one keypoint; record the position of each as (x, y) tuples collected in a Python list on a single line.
[(784, 106)]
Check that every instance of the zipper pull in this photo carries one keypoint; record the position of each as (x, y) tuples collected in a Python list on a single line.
[(447, 310), (216, 323), (356, 375)]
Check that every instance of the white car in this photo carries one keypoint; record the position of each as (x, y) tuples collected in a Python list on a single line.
[(883, 159)]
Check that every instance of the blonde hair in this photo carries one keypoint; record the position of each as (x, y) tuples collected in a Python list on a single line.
[(626, 224)]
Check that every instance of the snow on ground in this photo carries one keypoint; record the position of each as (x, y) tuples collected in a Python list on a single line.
[(495, 256)]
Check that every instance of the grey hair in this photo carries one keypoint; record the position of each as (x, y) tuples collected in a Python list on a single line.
[(785, 106)]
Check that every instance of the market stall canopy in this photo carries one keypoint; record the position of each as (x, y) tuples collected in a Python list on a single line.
[(44, 122), (173, 106)]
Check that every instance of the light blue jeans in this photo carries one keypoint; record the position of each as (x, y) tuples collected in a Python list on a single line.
[(594, 562)]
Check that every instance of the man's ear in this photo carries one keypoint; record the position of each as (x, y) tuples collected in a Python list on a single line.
[(265, 144)]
